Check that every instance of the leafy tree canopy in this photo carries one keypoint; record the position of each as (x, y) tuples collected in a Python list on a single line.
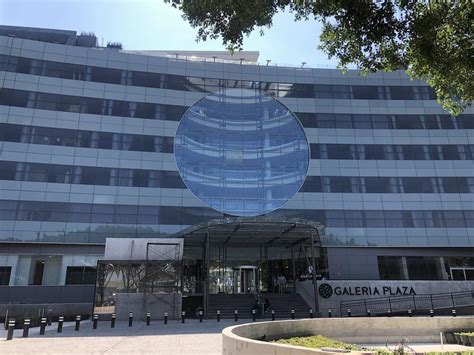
[(430, 40)]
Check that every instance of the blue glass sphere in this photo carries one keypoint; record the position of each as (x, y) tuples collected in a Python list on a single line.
[(241, 152)]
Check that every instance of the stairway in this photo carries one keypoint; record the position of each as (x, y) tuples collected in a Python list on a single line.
[(282, 304), (227, 304)]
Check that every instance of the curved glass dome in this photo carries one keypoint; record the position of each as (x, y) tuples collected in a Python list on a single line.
[(241, 152)]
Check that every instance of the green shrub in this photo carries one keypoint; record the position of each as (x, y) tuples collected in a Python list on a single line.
[(318, 342)]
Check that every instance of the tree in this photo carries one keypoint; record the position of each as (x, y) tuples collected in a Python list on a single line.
[(430, 40)]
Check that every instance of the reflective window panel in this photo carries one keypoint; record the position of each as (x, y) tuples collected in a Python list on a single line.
[(241, 152)]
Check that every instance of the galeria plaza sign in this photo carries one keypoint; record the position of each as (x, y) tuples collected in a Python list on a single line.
[(326, 290)]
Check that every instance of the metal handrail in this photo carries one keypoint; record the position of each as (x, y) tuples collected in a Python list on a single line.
[(425, 301)]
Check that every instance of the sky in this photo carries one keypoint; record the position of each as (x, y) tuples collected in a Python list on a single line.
[(154, 25)]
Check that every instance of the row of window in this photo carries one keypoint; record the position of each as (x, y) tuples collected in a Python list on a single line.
[(105, 140), (356, 184), (425, 268), (67, 103), (392, 151), (340, 120), (130, 214), (85, 139), (200, 84), (89, 175), (17, 171), (75, 275)]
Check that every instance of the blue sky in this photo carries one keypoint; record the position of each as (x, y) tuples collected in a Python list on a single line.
[(151, 24)]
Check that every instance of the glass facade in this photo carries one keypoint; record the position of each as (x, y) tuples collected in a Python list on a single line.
[(98, 143), (241, 152)]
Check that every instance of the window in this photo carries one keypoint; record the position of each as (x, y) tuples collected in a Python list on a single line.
[(5, 272), (455, 185), (326, 120), (343, 120), (340, 151), (408, 122), (106, 75), (80, 275), (340, 184), (140, 178), (422, 268), (450, 152), (95, 176), (7, 170), (10, 132), (390, 267), (377, 184), (417, 185), (401, 92), (373, 152), (365, 92)]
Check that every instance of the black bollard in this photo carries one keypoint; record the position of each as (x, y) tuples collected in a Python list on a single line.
[(60, 324), (292, 314), (410, 313), (311, 315), (148, 319), (236, 315), (253, 315), (95, 320), (43, 323), (183, 316), (348, 312), (453, 312), (200, 316), (431, 313), (130, 319), (218, 316), (165, 319), (78, 323), (389, 312), (329, 313), (112, 320), (369, 313), (11, 328), (273, 314), (26, 327)]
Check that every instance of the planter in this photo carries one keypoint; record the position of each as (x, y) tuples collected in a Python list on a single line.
[(457, 336), (450, 339)]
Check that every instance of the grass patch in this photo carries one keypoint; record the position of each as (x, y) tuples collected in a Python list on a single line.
[(318, 342)]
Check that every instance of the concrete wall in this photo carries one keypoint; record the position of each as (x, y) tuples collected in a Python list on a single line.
[(353, 290), (157, 304), (46, 309), (240, 339)]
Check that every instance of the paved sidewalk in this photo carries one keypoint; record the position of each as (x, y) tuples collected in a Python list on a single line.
[(174, 338)]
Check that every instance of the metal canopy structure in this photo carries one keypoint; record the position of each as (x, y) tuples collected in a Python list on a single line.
[(253, 232), (260, 231)]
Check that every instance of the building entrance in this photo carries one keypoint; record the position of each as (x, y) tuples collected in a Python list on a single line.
[(246, 279), (227, 259)]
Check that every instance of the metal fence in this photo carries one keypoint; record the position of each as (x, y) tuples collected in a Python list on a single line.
[(384, 305)]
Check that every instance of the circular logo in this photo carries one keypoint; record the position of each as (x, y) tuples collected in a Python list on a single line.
[(325, 290), (241, 152)]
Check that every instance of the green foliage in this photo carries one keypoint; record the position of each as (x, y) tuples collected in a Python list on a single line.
[(318, 342), (431, 40)]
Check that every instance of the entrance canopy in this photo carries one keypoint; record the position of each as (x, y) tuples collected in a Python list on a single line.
[(253, 232)]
